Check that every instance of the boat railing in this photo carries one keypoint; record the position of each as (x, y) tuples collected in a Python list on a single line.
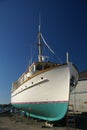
[(28, 75)]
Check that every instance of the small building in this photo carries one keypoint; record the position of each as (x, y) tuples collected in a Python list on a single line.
[(78, 98)]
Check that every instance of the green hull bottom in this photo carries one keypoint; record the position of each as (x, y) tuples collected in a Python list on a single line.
[(45, 111)]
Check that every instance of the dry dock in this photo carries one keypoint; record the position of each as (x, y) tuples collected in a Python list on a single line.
[(17, 122)]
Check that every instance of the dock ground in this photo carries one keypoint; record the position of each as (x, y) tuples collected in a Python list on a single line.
[(17, 122)]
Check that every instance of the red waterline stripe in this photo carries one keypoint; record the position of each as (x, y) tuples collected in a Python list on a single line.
[(39, 102)]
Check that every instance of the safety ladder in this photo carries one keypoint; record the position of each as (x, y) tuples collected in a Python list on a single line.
[(70, 118)]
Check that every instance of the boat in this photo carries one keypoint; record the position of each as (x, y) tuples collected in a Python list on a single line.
[(43, 90)]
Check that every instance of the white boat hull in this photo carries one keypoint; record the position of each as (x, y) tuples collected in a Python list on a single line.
[(46, 95)]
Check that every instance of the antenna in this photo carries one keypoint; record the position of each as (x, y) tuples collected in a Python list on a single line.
[(39, 22), (67, 58)]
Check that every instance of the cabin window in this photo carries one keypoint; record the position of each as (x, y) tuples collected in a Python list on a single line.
[(39, 67), (46, 66)]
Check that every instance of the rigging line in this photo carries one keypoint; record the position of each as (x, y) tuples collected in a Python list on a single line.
[(47, 45), (50, 48), (33, 54)]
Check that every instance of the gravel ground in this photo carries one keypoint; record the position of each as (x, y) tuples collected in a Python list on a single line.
[(17, 122)]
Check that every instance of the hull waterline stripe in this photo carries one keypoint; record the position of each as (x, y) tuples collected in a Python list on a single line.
[(39, 102)]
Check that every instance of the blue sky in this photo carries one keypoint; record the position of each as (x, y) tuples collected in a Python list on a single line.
[(63, 25)]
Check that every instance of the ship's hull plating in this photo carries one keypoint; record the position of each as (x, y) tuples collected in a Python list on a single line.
[(46, 95), (45, 111)]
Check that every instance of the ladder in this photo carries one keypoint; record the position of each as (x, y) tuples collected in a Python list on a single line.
[(70, 118)]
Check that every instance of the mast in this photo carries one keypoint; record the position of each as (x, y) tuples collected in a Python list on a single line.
[(39, 43)]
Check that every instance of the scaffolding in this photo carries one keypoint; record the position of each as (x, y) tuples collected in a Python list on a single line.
[(70, 118)]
